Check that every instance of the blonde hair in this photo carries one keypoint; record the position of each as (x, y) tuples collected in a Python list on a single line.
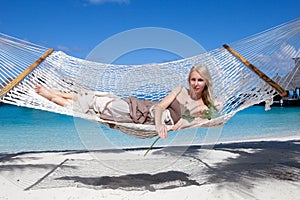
[(207, 94)]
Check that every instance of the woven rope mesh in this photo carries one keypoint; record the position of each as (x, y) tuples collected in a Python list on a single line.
[(273, 51)]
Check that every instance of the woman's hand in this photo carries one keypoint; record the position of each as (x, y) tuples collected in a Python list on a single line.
[(180, 124), (162, 131)]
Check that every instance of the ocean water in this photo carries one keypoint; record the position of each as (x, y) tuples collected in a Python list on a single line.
[(25, 129)]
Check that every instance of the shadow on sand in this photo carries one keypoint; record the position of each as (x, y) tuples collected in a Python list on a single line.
[(253, 160), (163, 180)]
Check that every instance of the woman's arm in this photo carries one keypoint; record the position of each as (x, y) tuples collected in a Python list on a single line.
[(183, 123), (161, 106), (204, 117)]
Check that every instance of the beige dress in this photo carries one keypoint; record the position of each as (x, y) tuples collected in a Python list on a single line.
[(110, 107)]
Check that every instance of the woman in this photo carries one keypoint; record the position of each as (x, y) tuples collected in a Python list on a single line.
[(181, 108)]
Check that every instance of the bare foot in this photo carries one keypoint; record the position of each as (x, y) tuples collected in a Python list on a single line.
[(41, 90)]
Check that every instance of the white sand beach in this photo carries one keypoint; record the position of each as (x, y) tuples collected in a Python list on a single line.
[(245, 170)]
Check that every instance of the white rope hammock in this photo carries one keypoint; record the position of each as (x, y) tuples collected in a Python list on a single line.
[(236, 84)]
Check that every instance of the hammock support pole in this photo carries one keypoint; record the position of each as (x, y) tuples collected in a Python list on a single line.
[(262, 75), (21, 76)]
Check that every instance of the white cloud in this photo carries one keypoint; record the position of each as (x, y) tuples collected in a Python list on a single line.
[(108, 1), (63, 48), (280, 61), (69, 50)]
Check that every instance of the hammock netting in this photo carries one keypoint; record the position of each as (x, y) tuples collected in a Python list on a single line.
[(234, 84)]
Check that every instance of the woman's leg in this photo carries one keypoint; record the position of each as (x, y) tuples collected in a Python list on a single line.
[(61, 101), (54, 95), (70, 95)]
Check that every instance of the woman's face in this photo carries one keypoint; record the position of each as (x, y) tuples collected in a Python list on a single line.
[(197, 83)]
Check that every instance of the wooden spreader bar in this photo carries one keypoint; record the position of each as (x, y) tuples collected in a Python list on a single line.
[(21, 76), (263, 76)]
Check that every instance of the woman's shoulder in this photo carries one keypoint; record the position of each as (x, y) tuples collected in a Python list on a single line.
[(177, 90)]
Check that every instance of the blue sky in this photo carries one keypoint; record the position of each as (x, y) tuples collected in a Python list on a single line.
[(77, 26)]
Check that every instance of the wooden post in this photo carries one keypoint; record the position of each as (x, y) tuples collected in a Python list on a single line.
[(21, 76), (263, 76)]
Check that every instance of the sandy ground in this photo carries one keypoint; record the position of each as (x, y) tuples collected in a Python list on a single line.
[(243, 170)]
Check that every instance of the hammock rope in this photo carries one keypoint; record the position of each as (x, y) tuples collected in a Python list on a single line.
[(19, 78), (268, 80), (237, 86)]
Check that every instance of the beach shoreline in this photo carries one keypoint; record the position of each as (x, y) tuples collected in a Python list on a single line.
[(145, 148), (257, 169)]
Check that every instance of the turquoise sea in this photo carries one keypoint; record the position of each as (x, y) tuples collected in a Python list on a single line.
[(25, 129)]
